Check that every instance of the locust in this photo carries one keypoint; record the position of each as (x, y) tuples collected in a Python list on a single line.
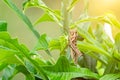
[(75, 52)]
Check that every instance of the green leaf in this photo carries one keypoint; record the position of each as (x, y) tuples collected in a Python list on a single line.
[(40, 4), (103, 38), (87, 36), (42, 43), (54, 44), (2, 66), (99, 32), (30, 67), (85, 47), (21, 54), (62, 70), (116, 55), (87, 19), (117, 42), (43, 18), (4, 35), (28, 75), (111, 77), (85, 25), (22, 16), (63, 43), (46, 17), (87, 62), (3, 25), (59, 44), (7, 50), (8, 56), (110, 67), (108, 18), (39, 59), (91, 41), (11, 70), (72, 5)]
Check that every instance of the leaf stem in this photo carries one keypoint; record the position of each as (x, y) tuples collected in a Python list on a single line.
[(65, 15)]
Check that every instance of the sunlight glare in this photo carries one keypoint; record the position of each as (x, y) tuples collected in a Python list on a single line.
[(108, 31), (109, 3)]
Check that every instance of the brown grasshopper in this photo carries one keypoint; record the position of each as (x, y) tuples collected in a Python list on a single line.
[(75, 53)]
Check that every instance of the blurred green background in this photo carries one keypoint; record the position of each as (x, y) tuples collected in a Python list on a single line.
[(18, 29)]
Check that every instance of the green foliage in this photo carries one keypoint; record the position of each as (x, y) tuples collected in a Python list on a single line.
[(59, 44), (7, 47), (11, 70), (43, 18), (101, 55), (117, 41), (42, 43), (72, 4), (111, 77), (62, 70), (3, 26), (49, 12)]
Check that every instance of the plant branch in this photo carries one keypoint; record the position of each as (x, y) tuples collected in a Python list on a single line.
[(65, 15)]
